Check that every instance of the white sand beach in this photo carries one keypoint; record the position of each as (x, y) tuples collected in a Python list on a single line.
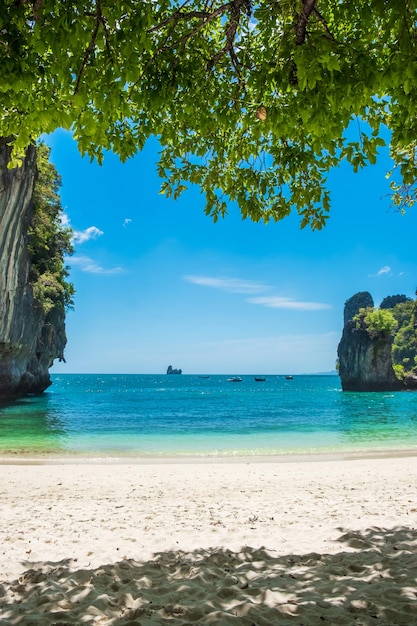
[(245, 542)]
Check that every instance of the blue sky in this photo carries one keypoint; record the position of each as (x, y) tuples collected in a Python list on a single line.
[(158, 283)]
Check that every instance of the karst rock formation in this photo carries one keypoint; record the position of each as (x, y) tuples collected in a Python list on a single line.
[(30, 340)]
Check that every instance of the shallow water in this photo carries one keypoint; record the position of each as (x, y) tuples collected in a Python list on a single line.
[(108, 416)]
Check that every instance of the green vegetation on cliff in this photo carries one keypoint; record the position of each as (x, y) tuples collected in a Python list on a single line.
[(48, 240), (404, 348), (376, 321), (398, 320)]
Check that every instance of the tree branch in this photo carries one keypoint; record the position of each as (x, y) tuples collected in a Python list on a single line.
[(106, 34), (309, 7), (301, 24), (323, 21), (90, 48), (206, 16), (231, 29)]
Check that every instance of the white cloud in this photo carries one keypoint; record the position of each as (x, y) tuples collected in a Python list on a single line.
[(278, 302), (86, 264), (384, 270), (65, 221), (237, 285), (81, 236), (232, 285)]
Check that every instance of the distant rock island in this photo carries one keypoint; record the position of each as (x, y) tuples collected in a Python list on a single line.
[(171, 370), (378, 348)]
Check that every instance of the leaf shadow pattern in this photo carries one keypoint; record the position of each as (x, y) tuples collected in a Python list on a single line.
[(372, 580)]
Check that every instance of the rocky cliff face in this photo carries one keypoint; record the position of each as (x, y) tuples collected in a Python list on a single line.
[(365, 361), (29, 340)]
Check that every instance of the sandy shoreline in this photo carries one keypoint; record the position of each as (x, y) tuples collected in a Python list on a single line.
[(243, 542), (78, 458)]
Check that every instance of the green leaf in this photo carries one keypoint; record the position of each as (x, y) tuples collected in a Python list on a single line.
[(175, 72)]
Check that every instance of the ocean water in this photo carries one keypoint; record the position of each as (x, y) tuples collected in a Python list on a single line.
[(124, 416)]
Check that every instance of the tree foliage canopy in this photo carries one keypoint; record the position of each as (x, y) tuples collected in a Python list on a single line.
[(252, 102)]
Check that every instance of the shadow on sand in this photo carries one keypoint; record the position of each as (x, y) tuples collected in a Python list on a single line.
[(372, 580)]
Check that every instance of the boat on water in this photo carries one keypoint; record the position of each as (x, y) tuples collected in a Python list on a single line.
[(260, 379), (234, 379), (289, 377)]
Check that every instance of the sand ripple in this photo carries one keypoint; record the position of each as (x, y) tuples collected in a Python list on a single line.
[(252, 544), (374, 584)]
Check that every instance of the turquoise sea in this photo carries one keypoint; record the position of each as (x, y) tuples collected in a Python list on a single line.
[(123, 416)]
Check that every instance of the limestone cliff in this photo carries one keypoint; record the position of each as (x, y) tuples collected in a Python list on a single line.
[(365, 358), (30, 339)]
